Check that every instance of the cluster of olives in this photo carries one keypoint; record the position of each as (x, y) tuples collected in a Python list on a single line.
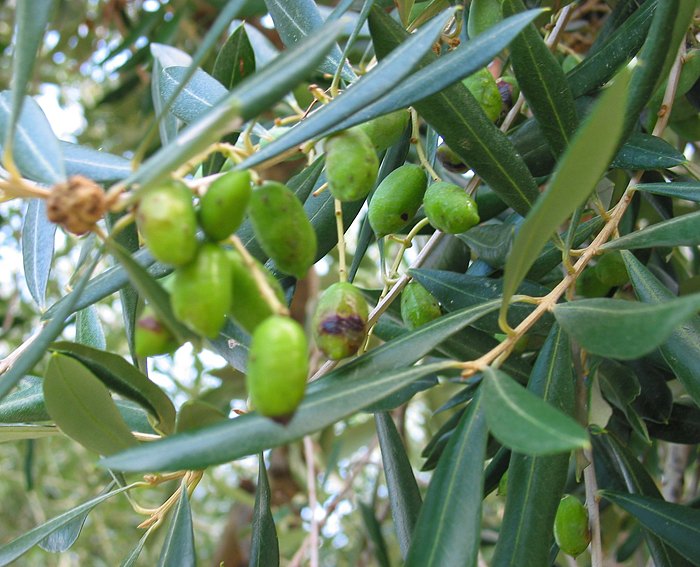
[(211, 282)]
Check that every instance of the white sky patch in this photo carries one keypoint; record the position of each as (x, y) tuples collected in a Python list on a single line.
[(66, 121)]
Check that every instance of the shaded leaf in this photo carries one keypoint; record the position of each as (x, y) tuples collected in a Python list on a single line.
[(264, 547), (683, 230), (374, 532), (131, 559), (623, 329), (178, 547), (525, 423), (644, 151), (196, 413), (14, 432), (689, 190), (490, 242)]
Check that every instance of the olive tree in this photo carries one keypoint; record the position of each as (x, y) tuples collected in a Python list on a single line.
[(443, 256)]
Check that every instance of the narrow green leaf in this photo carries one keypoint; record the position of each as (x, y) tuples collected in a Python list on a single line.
[(677, 525), (19, 546), (38, 235), (82, 407), (25, 405), (178, 547), (247, 100), (683, 230), (125, 379), (404, 494), (374, 533), (295, 21), (101, 167), (88, 329), (15, 432), (576, 176), (620, 386), (165, 56), (456, 115), (624, 329), (543, 83), (448, 530), (379, 81), (235, 60), (689, 190), (490, 242), (525, 423), (264, 547), (201, 93), (682, 350), (536, 484), (40, 344), (31, 19), (131, 559), (644, 151)]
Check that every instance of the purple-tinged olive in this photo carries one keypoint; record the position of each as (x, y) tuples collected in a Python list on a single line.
[(340, 321)]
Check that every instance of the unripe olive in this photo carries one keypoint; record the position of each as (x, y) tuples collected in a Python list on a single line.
[(397, 199), (202, 290), (223, 207), (282, 228), (340, 321), (588, 284), (168, 223), (278, 366), (151, 336), (611, 269), (485, 90), (249, 307), (449, 208), (418, 306), (502, 489), (571, 530), (351, 165), (450, 160), (386, 130)]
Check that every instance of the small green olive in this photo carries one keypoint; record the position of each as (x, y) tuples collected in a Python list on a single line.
[(418, 306), (450, 160), (249, 307), (223, 207), (168, 223), (340, 321), (202, 290), (283, 229), (351, 165), (449, 208), (485, 90), (151, 336), (611, 269), (588, 284), (571, 530), (386, 130), (278, 367), (397, 199)]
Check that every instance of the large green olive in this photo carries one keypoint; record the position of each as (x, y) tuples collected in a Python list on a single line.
[(351, 165), (397, 199), (282, 228), (418, 306), (223, 207), (340, 321), (485, 90), (278, 367), (571, 530), (449, 208), (168, 223), (202, 290), (151, 336), (249, 307)]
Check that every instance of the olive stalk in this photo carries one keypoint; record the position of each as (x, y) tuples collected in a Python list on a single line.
[(342, 266)]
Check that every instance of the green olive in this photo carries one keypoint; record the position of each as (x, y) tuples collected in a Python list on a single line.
[(202, 290), (571, 530), (418, 306), (249, 307), (485, 90), (449, 208), (386, 130), (223, 207), (351, 165), (340, 321), (168, 223), (611, 269), (450, 160), (397, 199), (282, 228), (278, 367), (151, 336), (588, 284)]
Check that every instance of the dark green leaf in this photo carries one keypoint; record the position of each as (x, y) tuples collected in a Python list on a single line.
[(624, 329), (576, 176), (178, 547), (235, 60), (643, 151), (536, 484), (683, 230), (25, 405), (448, 530), (620, 387), (689, 190), (19, 546), (125, 379), (264, 547), (404, 494), (677, 525), (525, 423), (682, 426), (374, 532), (82, 407), (682, 350), (490, 242)]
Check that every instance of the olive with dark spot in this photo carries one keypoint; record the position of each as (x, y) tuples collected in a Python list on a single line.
[(340, 321)]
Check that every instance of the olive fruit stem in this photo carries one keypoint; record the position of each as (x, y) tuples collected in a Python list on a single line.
[(266, 291), (190, 480), (230, 151), (342, 266), (415, 140), (320, 190), (20, 187), (122, 223)]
